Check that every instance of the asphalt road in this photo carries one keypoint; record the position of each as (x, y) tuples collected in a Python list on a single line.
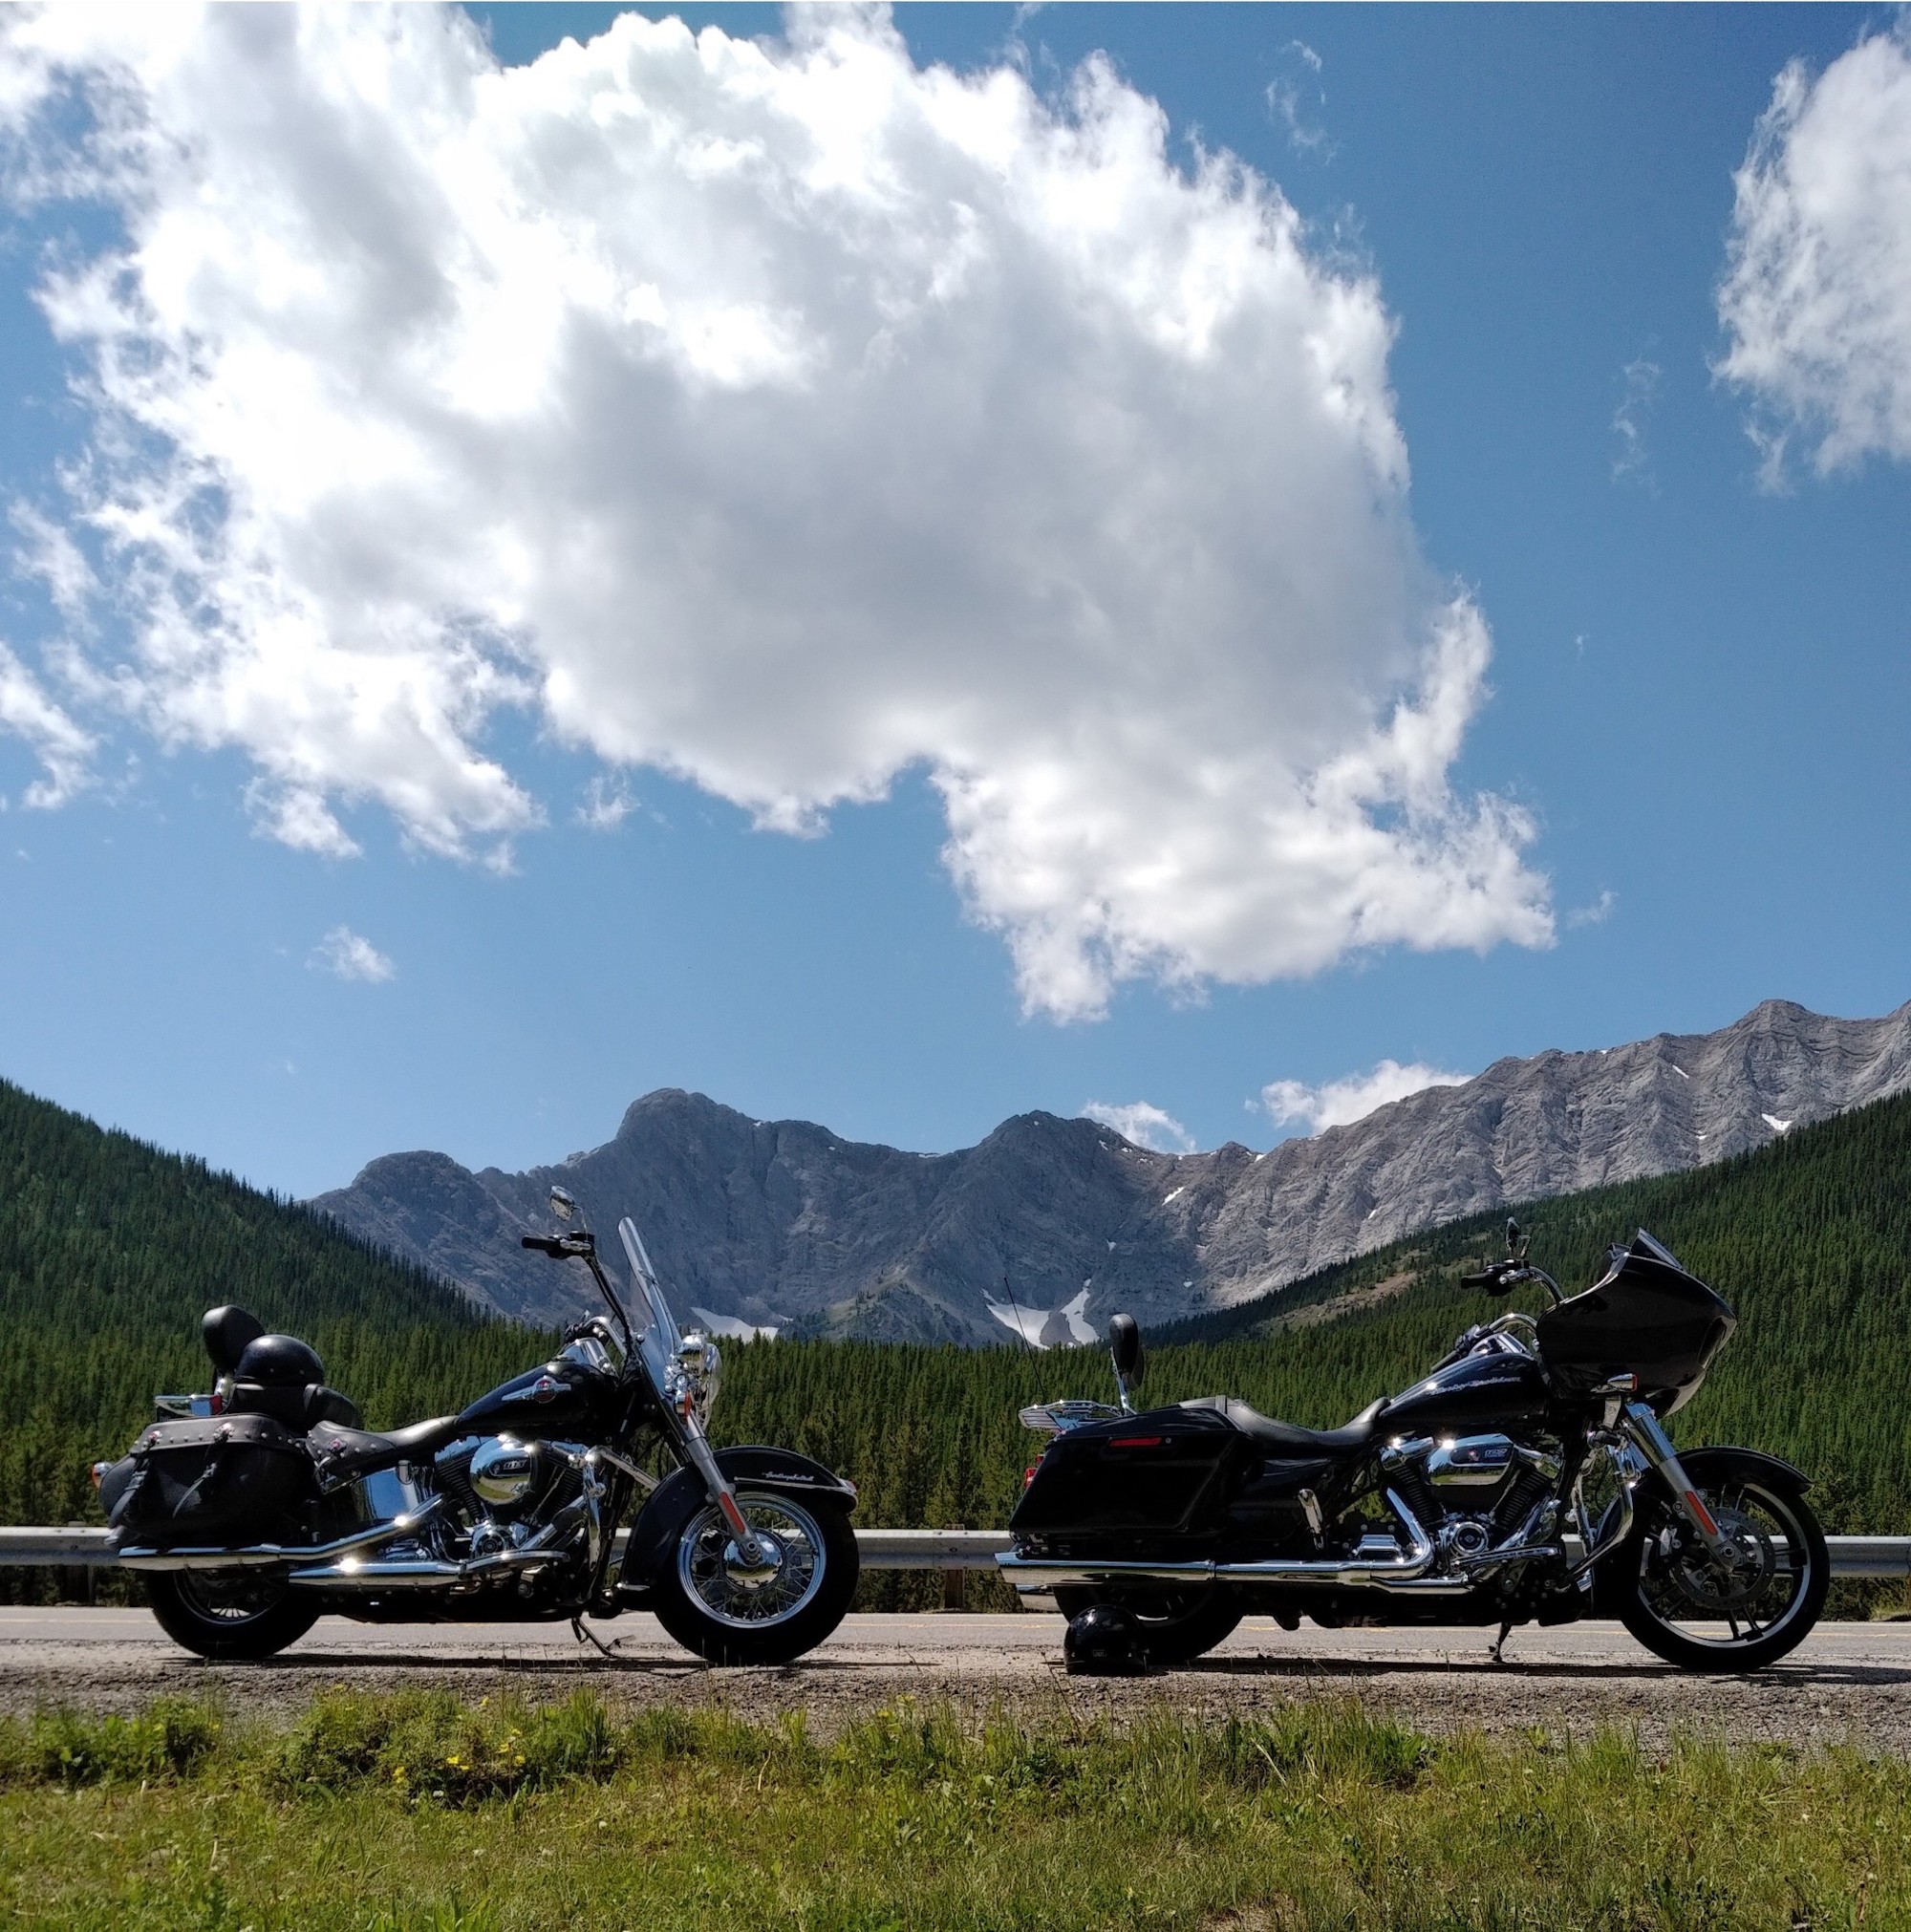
[(34, 1639), (1849, 1683)]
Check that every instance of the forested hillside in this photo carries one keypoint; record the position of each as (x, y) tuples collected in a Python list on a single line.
[(109, 1251), (1809, 1239)]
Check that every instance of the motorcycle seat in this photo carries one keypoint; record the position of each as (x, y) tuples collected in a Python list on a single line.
[(1290, 1438), (344, 1454)]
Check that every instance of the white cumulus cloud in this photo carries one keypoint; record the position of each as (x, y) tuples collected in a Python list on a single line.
[(1146, 1125), (1816, 299), (347, 954), (781, 416), (1334, 1103), (63, 748)]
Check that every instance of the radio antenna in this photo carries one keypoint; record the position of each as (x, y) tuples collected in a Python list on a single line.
[(1008, 1289)]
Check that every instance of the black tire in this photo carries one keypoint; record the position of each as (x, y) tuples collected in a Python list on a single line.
[(1176, 1626), (231, 1616), (1657, 1583), (700, 1600)]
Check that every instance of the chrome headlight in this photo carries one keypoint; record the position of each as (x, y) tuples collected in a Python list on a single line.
[(696, 1373)]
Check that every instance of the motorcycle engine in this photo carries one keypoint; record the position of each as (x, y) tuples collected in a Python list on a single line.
[(504, 1487), (1474, 1493)]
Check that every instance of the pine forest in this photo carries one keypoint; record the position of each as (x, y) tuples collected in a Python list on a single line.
[(110, 1251)]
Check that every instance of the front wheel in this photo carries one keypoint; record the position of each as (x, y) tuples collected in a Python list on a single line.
[(1682, 1604), (788, 1602), (233, 1616), (1175, 1626)]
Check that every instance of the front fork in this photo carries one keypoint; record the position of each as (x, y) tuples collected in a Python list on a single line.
[(1644, 1429), (697, 1446)]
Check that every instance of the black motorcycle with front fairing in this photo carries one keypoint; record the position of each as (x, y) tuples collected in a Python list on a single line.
[(256, 1508), (1527, 1478)]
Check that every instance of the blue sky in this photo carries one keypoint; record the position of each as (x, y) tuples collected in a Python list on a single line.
[(292, 948)]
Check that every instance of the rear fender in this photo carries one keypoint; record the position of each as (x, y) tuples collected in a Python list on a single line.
[(681, 1494)]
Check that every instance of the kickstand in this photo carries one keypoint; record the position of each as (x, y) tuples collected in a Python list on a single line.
[(1498, 1650), (584, 1636)]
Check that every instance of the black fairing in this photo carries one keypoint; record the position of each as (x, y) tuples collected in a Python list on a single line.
[(1647, 1317), (569, 1399), (1476, 1391), (1165, 1470)]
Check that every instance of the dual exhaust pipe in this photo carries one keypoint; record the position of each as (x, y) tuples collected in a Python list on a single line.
[(342, 1565), (265, 1556), (1379, 1563)]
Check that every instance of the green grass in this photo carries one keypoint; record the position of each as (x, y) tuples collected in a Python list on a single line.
[(414, 1810)]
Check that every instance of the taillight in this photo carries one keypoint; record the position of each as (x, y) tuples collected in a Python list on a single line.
[(98, 1470), (1028, 1474)]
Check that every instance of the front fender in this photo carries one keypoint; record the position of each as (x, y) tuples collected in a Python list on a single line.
[(1708, 1466), (681, 1494)]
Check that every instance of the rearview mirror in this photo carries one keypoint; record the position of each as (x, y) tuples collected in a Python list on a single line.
[(1124, 1348), (562, 1204)]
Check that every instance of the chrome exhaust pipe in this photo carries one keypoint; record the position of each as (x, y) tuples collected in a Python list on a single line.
[(1360, 1570), (261, 1555), (418, 1573)]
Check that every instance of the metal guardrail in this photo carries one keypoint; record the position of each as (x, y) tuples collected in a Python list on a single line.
[(75, 1547), (79, 1546)]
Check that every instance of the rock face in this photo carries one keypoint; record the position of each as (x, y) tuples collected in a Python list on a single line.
[(1049, 1225)]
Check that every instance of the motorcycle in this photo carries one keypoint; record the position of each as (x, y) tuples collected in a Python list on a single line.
[(1447, 1503), (256, 1508)]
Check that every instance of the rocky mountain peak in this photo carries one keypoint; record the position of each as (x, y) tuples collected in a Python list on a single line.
[(1047, 1225)]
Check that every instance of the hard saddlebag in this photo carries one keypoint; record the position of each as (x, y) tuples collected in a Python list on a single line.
[(211, 1480)]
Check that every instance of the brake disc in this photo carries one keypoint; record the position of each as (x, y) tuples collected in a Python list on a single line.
[(1707, 1583)]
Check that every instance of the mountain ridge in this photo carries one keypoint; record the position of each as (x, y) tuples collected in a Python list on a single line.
[(1046, 1225)]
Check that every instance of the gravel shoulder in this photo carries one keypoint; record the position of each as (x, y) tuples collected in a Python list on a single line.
[(1849, 1683)]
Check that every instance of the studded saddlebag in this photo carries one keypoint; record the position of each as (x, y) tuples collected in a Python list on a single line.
[(213, 1480)]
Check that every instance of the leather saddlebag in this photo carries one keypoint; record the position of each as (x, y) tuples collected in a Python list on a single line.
[(213, 1480)]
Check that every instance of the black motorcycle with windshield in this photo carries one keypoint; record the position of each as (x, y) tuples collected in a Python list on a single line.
[(256, 1508), (1527, 1478)]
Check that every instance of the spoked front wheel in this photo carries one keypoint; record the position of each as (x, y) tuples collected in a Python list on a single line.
[(769, 1611), (1176, 1626), (1681, 1603)]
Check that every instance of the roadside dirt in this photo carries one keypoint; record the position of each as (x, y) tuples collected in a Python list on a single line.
[(1852, 1691)]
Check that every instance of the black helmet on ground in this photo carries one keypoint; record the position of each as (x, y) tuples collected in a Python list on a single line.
[(1105, 1640)]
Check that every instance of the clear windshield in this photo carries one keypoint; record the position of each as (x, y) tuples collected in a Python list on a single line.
[(658, 1338)]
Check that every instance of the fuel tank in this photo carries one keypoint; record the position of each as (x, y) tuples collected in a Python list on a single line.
[(1475, 1392), (570, 1400)]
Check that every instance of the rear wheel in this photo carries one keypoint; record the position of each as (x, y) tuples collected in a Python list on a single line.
[(231, 1615), (727, 1611), (1682, 1604), (1176, 1626)]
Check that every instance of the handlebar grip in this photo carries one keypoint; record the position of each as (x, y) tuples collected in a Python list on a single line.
[(1489, 1279), (545, 1244)]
